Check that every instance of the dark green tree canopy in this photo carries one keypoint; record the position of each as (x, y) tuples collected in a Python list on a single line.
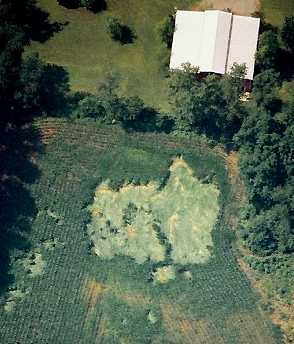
[(267, 52), (166, 30), (287, 32), (119, 31)]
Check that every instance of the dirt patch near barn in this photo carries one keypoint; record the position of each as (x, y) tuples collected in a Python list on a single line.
[(241, 7)]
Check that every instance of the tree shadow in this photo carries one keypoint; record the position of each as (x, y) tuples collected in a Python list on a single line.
[(94, 6), (149, 120), (127, 35), (41, 28), (18, 143), (97, 6), (285, 64), (55, 87)]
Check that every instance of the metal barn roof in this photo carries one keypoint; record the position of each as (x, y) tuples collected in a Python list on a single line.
[(214, 40)]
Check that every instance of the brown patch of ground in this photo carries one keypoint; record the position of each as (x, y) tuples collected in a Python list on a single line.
[(182, 328), (238, 191), (241, 7), (176, 324), (251, 275), (283, 313), (232, 166), (47, 133), (255, 325), (93, 292), (133, 298)]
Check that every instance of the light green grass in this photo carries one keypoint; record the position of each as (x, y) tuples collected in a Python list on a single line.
[(83, 299), (276, 10), (87, 51), (129, 221)]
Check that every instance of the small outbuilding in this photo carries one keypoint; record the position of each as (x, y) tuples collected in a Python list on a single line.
[(214, 40)]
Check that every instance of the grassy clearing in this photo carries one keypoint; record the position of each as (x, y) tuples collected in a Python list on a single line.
[(276, 10), (80, 298), (87, 51)]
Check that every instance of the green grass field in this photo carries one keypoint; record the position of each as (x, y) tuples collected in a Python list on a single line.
[(276, 10), (87, 51), (64, 293)]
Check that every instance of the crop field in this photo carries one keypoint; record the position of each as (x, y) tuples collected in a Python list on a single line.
[(130, 244)]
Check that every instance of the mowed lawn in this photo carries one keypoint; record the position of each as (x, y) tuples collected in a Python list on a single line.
[(276, 10), (85, 48)]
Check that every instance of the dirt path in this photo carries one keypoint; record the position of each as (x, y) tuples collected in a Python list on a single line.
[(242, 7)]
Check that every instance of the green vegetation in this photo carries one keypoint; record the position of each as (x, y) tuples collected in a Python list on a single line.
[(154, 221), (88, 52), (81, 298), (187, 286), (166, 30), (276, 10), (92, 5), (120, 32)]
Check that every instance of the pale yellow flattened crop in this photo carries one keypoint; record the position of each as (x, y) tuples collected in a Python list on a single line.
[(140, 221)]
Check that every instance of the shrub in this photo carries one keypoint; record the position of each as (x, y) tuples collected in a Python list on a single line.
[(120, 32), (90, 107)]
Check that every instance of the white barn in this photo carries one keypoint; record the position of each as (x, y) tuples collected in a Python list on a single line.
[(214, 40)]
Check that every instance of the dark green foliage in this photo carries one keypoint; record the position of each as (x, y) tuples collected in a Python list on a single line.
[(91, 5), (54, 88), (268, 264), (287, 33), (95, 5), (42, 87), (70, 3), (107, 106), (211, 106), (33, 21), (120, 32), (266, 141), (129, 214), (28, 93), (138, 116), (166, 30), (259, 232), (268, 49), (20, 22), (11, 43), (265, 91), (91, 107)]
